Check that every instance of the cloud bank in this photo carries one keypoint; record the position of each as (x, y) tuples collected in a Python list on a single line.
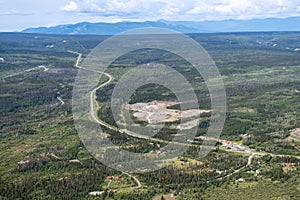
[(186, 9), (20, 14)]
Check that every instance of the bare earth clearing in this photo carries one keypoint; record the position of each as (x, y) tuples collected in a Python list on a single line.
[(158, 112), (295, 135)]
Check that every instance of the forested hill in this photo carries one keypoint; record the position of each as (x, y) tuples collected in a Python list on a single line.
[(255, 25)]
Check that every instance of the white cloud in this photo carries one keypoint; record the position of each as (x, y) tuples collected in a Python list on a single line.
[(71, 6), (139, 10), (195, 10), (246, 9), (234, 6)]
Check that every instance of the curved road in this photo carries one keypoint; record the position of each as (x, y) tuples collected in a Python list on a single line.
[(139, 185), (93, 111), (236, 171)]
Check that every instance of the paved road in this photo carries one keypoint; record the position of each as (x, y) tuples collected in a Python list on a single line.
[(92, 94), (94, 113)]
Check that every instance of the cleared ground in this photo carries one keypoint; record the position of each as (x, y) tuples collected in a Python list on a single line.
[(295, 135), (159, 111)]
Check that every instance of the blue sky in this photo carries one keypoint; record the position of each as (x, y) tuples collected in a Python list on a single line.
[(20, 14)]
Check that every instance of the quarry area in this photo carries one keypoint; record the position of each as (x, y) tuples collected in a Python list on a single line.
[(159, 111)]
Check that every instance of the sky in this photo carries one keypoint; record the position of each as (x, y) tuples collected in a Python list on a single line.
[(16, 15)]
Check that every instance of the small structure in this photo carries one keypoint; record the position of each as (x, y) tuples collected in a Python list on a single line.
[(292, 164), (120, 166), (43, 67), (63, 178), (219, 172), (118, 177), (213, 170), (162, 179), (96, 193), (75, 161), (182, 159), (241, 180), (22, 162), (110, 178)]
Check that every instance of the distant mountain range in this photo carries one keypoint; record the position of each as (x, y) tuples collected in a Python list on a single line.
[(254, 25)]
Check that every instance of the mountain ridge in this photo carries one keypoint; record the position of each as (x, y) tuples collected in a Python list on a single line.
[(104, 28)]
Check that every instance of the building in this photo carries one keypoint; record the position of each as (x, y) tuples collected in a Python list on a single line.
[(96, 193), (240, 180), (22, 162), (292, 164)]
